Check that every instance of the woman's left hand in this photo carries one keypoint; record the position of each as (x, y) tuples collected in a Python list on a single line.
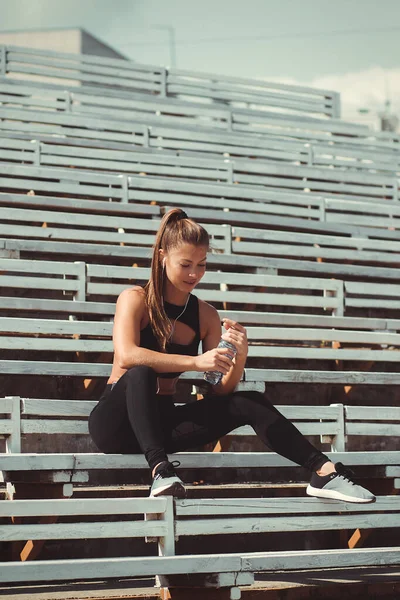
[(237, 335)]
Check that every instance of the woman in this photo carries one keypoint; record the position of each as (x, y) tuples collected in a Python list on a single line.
[(157, 330)]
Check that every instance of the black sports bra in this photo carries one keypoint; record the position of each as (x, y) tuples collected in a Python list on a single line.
[(190, 317)]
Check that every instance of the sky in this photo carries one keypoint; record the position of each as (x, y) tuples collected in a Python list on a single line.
[(351, 46)]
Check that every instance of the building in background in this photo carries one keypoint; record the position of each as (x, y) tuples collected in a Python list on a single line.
[(389, 120), (70, 40)]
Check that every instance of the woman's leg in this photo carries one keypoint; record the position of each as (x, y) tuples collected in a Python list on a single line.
[(204, 421), (109, 425), (131, 418), (214, 416)]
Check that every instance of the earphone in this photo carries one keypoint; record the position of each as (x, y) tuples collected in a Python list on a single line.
[(175, 320)]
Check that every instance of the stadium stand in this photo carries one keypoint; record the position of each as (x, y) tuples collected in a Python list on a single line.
[(225, 239), (302, 211), (170, 142), (17, 128), (134, 77), (284, 178), (238, 515)]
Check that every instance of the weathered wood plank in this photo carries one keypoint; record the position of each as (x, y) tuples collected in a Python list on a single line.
[(250, 375), (82, 408), (39, 266), (55, 326), (82, 506), (82, 569), (372, 413), (78, 531), (6, 427), (393, 471), (88, 461), (51, 427), (245, 317), (78, 205), (390, 429), (277, 506), (302, 334), (6, 405), (277, 524), (332, 377), (60, 306), (40, 284), (56, 345), (77, 369), (324, 353), (240, 297), (56, 408)]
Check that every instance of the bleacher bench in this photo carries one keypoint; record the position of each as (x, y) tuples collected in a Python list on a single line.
[(191, 519), (335, 423), (167, 523)]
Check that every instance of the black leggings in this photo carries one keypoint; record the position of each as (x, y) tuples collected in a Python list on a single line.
[(131, 418)]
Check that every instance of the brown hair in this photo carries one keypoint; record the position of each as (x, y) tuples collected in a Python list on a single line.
[(175, 229)]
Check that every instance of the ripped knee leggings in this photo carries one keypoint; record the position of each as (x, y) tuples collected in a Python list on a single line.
[(131, 418)]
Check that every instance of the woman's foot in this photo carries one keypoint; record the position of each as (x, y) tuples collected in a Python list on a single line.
[(338, 485), (166, 482)]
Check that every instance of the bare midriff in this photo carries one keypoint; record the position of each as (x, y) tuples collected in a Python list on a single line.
[(165, 386)]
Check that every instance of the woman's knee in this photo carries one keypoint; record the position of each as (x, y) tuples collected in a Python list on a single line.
[(250, 396), (254, 395), (141, 373), (254, 405)]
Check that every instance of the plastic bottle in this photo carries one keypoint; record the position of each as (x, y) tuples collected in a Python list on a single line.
[(214, 377)]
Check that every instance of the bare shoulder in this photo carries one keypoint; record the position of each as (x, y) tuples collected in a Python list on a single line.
[(134, 291), (209, 317), (208, 309), (134, 297)]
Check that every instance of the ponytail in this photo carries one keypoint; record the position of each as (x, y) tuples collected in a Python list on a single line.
[(175, 229)]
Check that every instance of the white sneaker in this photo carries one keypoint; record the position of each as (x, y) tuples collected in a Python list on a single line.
[(338, 486), (166, 482)]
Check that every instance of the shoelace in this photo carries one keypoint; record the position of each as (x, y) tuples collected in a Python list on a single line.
[(168, 469), (345, 472)]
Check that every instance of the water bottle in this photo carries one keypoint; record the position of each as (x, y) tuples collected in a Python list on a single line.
[(214, 377)]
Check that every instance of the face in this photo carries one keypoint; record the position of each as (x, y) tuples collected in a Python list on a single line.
[(185, 266)]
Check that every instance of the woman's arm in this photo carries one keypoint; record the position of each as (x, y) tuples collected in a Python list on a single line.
[(236, 334), (126, 337)]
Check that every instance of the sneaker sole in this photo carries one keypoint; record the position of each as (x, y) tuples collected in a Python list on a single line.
[(175, 489), (334, 495)]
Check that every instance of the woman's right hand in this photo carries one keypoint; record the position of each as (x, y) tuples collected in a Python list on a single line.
[(217, 359)]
